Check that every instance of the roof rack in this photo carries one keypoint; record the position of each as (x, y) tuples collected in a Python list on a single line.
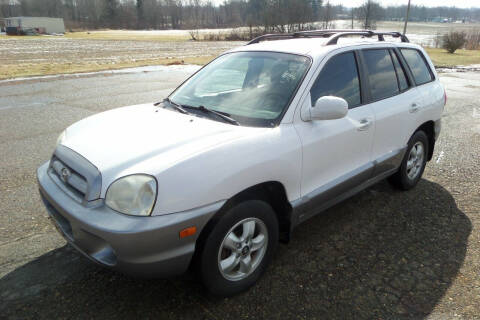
[(332, 34)]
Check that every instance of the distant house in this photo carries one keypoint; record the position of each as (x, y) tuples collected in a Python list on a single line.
[(25, 25)]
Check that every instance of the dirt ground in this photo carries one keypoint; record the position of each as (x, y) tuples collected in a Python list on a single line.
[(382, 254)]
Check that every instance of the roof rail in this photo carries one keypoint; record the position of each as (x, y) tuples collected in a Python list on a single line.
[(332, 34), (270, 36), (367, 33)]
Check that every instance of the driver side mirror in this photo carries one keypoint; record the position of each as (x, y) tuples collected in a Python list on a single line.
[(329, 108)]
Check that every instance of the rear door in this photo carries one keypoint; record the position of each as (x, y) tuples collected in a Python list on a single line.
[(394, 101)]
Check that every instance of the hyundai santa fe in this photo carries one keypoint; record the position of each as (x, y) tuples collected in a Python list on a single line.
[(261, 139)]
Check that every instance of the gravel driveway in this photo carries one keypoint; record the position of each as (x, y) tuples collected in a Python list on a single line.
[(381, 254)]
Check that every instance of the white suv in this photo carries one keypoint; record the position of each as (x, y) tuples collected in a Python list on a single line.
[(259, 140)]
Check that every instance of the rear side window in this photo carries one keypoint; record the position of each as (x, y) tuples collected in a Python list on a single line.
[(339, 77), (381, 74), (417, 64), (402, 78)]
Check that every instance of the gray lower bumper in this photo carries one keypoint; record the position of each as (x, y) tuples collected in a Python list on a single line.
[(437, 128), (146, 246)]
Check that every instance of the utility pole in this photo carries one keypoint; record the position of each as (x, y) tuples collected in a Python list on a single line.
[(351, 11), (406, 19)]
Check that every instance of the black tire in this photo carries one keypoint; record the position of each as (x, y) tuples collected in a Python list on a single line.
[(208, 257), (401, 179)]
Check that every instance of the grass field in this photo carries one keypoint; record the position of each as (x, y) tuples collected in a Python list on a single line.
[(35, 56), (89, 51), (113, 35), (441, 58), (129, 35), (41, 69)]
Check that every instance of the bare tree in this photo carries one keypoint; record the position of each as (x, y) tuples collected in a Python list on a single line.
[(259, 15), (369, 12), (140, 14), (109, 12), (316, 6), (327, 16)]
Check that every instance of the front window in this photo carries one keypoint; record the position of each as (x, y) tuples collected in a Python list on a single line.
[(253, 88), (338, 78)]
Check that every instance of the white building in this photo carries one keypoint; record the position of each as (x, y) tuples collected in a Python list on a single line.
[(41, 24)]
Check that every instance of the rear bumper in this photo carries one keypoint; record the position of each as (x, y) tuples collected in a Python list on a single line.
[(143, 246)]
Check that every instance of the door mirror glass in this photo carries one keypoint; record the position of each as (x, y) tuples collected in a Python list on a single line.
[(329, 108)]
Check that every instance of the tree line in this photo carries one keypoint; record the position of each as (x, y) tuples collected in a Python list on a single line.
[(269, 15)]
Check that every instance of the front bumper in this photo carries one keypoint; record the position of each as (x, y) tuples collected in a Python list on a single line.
[(144, 246)]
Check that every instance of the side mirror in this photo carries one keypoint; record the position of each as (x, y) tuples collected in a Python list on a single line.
[(329, 108)]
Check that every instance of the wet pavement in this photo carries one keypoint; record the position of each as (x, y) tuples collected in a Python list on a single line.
[(381, 254)]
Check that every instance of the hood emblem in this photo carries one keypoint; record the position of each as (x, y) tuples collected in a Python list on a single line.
[(65, 174)]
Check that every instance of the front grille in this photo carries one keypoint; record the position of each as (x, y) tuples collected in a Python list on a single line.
[(75, 175), (71, 179)]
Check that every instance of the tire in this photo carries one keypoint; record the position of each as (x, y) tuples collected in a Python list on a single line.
[(407, 176), (236, 277)]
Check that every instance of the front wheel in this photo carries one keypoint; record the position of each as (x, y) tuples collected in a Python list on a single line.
[(413, 163), (239, 248)]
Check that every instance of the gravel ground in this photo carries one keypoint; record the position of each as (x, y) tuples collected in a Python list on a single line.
[(381, 254)]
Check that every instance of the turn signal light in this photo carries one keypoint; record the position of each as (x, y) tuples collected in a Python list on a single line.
[(188, 232)]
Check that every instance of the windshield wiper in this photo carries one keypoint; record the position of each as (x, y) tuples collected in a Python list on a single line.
[(180, 108), (218, 114), (175, 105)]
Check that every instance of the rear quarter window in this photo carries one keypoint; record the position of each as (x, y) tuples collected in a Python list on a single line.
[(418, 65)]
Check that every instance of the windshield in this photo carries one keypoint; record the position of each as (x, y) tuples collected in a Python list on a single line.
[(253, 88)]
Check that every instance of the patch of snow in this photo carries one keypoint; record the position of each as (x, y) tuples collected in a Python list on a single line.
[(440, 156)]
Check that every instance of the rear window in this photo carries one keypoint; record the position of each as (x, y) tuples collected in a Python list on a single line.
[(381, 74), (417, 64)]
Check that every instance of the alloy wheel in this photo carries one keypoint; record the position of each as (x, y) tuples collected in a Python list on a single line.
[(242, 249), (415, 160)]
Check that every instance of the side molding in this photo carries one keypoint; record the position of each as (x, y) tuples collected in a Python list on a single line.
[(345, 186)]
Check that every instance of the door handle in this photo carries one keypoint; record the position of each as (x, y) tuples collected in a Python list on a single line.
[(364, 124), (414, 108)]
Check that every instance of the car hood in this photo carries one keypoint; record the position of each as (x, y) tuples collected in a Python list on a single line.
[(119, 140)]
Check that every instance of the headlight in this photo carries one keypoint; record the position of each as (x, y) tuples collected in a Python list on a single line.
[(61, 138), (134, 195)]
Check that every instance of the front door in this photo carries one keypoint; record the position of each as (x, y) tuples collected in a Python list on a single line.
[(336, 153)]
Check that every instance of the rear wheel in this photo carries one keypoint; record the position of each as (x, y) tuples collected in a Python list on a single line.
[(413, 163), (239, 248)]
